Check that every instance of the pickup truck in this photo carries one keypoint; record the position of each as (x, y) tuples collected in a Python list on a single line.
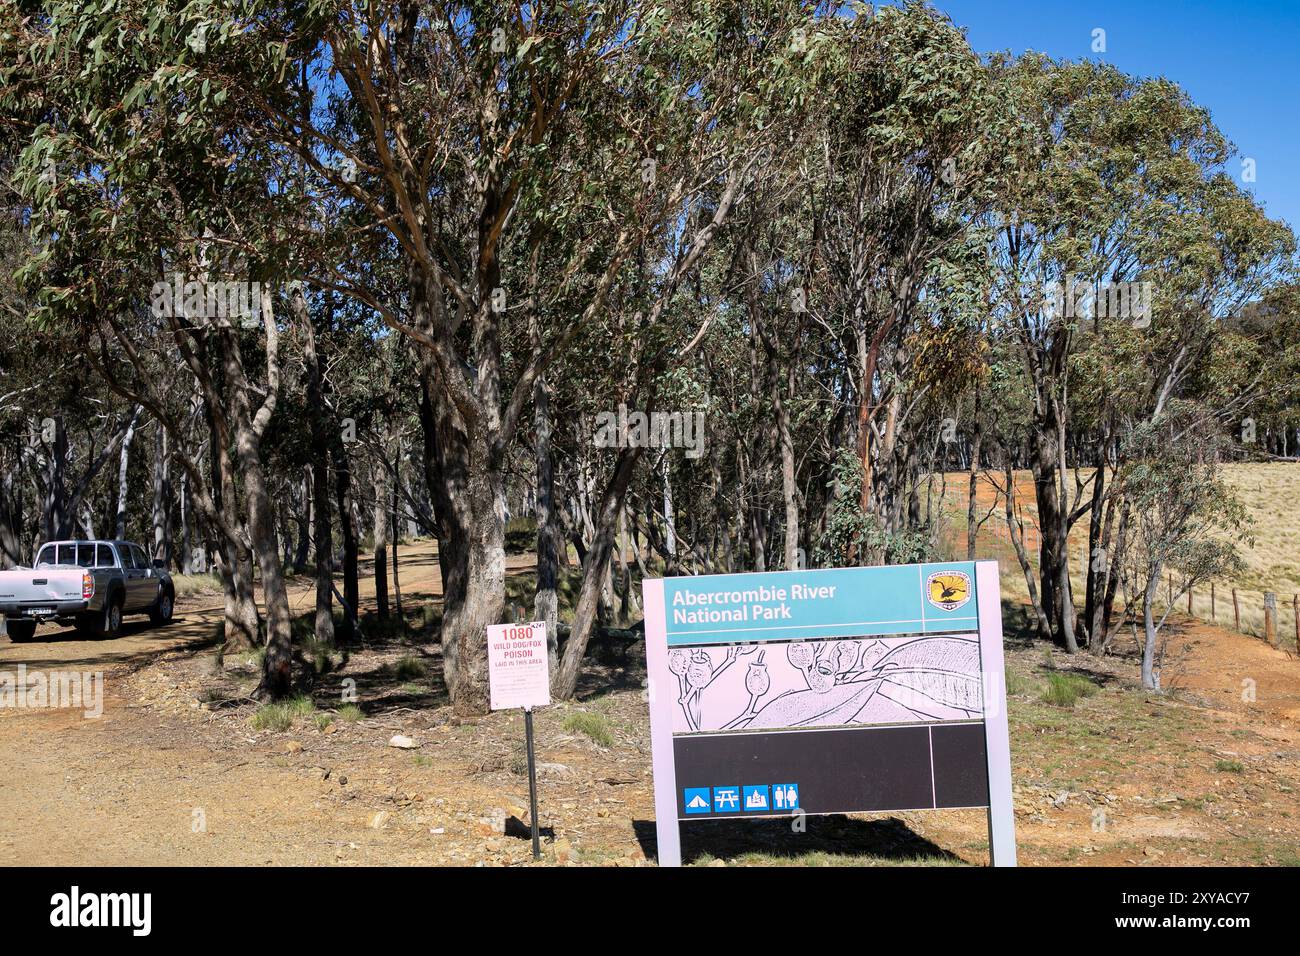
[(89, 584)]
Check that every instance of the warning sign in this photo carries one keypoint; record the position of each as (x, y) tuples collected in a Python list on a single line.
[(518, 671)]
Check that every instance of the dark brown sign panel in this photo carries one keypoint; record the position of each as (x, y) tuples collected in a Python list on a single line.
[(836, 771)]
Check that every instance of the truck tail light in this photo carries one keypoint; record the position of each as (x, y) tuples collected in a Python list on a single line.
[(87, 585)]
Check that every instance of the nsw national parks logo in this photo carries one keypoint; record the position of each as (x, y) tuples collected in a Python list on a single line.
[(948, 589)]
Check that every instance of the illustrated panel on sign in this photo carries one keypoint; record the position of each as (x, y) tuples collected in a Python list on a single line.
[(834, 683)]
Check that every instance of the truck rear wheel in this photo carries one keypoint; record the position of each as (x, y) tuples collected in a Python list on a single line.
[(109, 624), (20, 630)]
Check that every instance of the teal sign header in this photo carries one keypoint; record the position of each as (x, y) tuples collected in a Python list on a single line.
[(836, 602)]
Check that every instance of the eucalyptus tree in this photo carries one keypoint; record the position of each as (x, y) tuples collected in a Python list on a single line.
[(161, 229), (445, 140), (910, 144), (1120, 215)]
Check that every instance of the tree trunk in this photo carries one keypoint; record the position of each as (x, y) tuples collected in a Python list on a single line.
[(1150, 674), (549, 536), (564, 681), (319, 475), (123, 487), (242, 619), (395, 533), (381, 541), (972, 491), (348, 532), (162, 496), (1015, 531)]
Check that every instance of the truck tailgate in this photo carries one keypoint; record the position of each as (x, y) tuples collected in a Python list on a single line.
[(48, 585)]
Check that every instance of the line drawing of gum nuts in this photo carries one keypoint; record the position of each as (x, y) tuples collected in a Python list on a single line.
[(698, 674), (846, 656), (678, 660), (757, 682), (801, 654), (733, 652), (821, 676)]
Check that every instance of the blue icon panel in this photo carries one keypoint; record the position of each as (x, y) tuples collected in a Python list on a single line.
[(726, 799), (773, 798), (785, 796), (697, 800), (756, 799)]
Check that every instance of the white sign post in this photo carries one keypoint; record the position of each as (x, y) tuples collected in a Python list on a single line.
[(519, 676)]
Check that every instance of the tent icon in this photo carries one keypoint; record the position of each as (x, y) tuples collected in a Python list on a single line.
[(697, 800)]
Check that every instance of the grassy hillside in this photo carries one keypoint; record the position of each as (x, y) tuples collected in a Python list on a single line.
[(1272, 559)]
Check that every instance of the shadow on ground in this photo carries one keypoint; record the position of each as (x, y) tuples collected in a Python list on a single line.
[(841, 838)]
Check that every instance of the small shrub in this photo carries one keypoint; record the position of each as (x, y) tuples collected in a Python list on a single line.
[(408, 668), (519, 760), (350, 713), (1065, 690), (322, 720), (300, 706), (272, 717), (593, 725), (1229, 766)]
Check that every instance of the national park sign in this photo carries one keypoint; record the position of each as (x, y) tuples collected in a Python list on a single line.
[(836, 691)]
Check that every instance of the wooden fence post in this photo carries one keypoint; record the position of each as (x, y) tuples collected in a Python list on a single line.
[(1236, 611), (1295, 609), (1270, 618), (1213, 618), (1189, 600)]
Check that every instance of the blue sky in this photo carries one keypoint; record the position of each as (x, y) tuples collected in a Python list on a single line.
[(1239, 60)]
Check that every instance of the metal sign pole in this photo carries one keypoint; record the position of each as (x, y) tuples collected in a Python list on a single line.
[(532, 782)]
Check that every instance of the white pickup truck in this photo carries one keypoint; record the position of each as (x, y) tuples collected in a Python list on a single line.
[(89, 584)]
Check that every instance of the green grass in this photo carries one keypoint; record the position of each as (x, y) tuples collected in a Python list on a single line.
[(322, 720), (1065, 690), (280, 716), (1229, 766), (350, 713), (1017, 684), (409, 668), (594, 726)]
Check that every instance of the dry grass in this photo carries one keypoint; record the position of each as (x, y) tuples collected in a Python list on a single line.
[(1267, 491)]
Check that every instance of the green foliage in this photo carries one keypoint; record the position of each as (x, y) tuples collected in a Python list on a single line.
[(593, 725), (1065, 690), (280, 716), (850, 531), (408, 668)]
